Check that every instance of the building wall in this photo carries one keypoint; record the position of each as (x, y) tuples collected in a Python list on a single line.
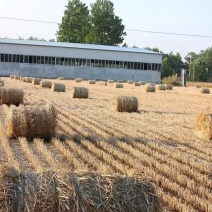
[(79, 53), (50, 71)]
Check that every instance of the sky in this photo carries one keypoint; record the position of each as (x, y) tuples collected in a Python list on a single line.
[(182, 16)]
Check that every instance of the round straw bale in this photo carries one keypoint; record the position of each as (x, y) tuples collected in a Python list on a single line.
[(61, 78), (17, 77), (12, 76), (29, 79), (137, 84), (125, 104), (203, 126), (58, 87), (110, 81), (142, 82), (36, 81), (10, 96), (46, 84), (130, 82), (198, 86), (24, 79), (92, 82), (79, 92), (31, 121), (120, 81), (161, 87), (205, 90), (148, 88), (118, 85), (169, 87), (78, 80), (102, 83)]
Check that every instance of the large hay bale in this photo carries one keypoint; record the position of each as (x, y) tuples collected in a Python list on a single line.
[(130, 82), (137, 84), (92, 82), (110, 81), (12, 76), (125, 104), (148, 88), (79, 92), (169, 87), (161, 87), (102, 83), (46, 84), (203, 126), (29, 79), (31, 121), (61, 78), (36, 81), (58, 87), (205, 90), (10, 96), (142, 82), (16, 77), (23, 79), (76, 192), (118, 85)]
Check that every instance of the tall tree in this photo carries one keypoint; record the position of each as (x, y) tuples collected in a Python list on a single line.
[(191, 56), (107, 28), (171, 64), (75, 23)]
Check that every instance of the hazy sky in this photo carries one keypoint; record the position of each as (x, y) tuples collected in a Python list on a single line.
[(182, 16)]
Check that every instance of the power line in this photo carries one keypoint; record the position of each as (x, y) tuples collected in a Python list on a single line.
[(132, 30)]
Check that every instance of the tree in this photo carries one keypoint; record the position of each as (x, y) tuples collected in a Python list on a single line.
[(75, 24), (171, 64), (154, 49), (191, 56), (106, 27)]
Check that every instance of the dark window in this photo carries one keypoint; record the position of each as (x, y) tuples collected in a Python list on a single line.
[(30, 59), (142, 66), (38, 60), (73, 61), (42, 58), (26, 59), (149, 66), (34, 61), (21, 58), (6, 58), (14, 58), (145, 66), (53, 60), (58, 60), (156, 67), (159, 67), (135, 65), (139, 66)]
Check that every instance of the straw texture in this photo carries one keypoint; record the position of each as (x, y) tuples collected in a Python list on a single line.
[(125, 104), (31, 122), (79, 92)]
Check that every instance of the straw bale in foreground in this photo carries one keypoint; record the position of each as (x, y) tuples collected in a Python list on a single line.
[(119, 85), (161, 87), (125, 104), (203, 126), (149, 88), (29, 79), (16, 77), (76, 192), (92, 82), (23, 79), (58, 87), (102, 83), (31, 122), (46, 84), (10, 96), (78, 80), (36, 81), (79, 92), (205, 90)]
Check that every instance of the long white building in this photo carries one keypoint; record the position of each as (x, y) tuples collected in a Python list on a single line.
[(71, 60)]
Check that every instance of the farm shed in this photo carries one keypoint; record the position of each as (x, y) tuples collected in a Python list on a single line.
[(45, 59)]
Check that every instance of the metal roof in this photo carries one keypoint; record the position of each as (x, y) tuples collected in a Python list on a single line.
[(76, 45)]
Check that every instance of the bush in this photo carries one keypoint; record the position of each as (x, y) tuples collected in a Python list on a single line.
[(173, 80)]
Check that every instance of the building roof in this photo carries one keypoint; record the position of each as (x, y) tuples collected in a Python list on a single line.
[(76, 45)]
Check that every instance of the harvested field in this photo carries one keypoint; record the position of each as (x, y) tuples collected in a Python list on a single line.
[(158, 141)]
